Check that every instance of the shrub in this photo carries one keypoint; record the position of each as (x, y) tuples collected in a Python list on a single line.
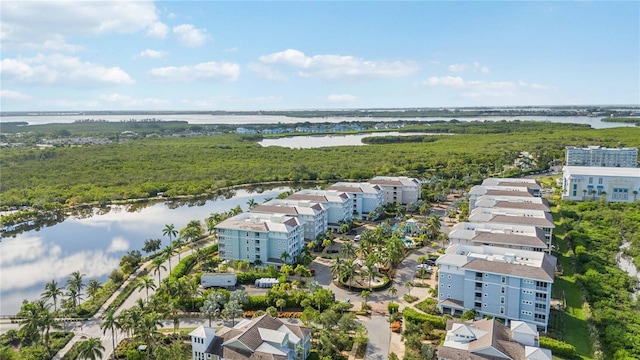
[(393, 307), (558, 347), (418, 318), (428, 305), (257, 302), (410, 298)]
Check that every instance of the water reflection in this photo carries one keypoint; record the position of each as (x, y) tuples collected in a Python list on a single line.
[(93, 241), (319, 141)]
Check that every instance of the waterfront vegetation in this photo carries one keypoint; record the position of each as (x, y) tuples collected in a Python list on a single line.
[(202, 165), (589, 236), (633, 120)]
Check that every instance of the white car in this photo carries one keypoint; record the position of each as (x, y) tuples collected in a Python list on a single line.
[(357, 238), (424, 266)]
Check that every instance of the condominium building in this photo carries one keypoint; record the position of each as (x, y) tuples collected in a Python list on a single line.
[(601, 157), (313, 215), (507, 284), (402, 189), (537, 218), (261, 338), (496, 191), (366, 197), (519, 237), (505, 202), (339, 204), (263, 237), (489, 339), (589, 183), (532, 185)]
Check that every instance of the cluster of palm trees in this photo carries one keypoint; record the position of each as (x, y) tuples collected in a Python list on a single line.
[(140, 322), (73, 295)]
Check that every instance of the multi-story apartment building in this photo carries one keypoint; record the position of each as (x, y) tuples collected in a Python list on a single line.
[(366, 197), (507, 284), (263, 237), (339, 204), (497, 191), (537, 218), (402, 189), (313, 215), (488, 339), (532, 185), (601, 157), (587, 183), (519, 237), (535, 203)]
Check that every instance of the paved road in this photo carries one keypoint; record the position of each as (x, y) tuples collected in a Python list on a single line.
[(379, 338)]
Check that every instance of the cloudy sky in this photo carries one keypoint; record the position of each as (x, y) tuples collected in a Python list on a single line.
[(208, 55)]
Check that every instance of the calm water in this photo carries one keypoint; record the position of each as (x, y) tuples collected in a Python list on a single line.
[(93, 245), (309, 142), (594, 122)]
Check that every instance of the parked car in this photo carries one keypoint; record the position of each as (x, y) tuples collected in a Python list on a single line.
[(431, 262), (424, 266), (357, 238)]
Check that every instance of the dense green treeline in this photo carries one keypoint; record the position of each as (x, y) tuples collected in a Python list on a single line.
[(596, 230), (196, 165)]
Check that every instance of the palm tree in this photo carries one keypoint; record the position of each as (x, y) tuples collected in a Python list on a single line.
[(348, 250), (74, 297), (53, 292), (75, 282), (146, 283), (177, 244), (169, 251), (365, 294), (336, 267), (252, 203), (212, 303), (349, 271), (392, 290), (192, 232), (434, 226), (285, 256), (157, 265), (409, 285), (170, 231), (92, 288), (110, 321), (444, 238), (91, 349), (147, 330), (232, 309)]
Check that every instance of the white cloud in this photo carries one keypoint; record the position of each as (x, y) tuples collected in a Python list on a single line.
[(158, 30), (457, 67), (13, 95), (128, 102), (476, 89), (151, 54), (335, 67), (475, 66), (203, 71), (57, 68), (189, 36), (118, 244), (341, 98), (42, 24), (267, 72), (231, 49)]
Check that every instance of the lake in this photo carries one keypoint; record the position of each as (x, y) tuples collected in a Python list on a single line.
[(94, 245), (311, 141), (594, 122)]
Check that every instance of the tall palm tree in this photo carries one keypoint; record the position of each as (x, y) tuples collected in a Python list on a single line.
[(91, 349), (147, 330), (336, 267), (434, 226), (348, 250), (285, 256), (177, 244), (409, 285), (146, 283), (169, 251), (74, 297), (110, 322), (392, 290), (157, 265), (365, 294), (170, 231), (252, 203), (75, 281), (53, 292), (92, 288), (211, 305)]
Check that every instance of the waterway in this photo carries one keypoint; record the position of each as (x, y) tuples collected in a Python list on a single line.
[(95, 244), (625, 263), (309, 142), (594, 122)]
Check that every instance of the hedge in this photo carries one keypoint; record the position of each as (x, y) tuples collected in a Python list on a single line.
[(251, 277), (415, 317), (559, 348)]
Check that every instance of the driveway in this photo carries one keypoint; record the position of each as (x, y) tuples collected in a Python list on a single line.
[(379, 338)]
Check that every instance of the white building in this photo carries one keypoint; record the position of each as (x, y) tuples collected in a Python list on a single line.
[(601, 157), (507, 284), (313, 215), (589, 182), (496, 191), (532, 185), (261, 338), (263, 237), (366, 197), (338, 203), (506, 202), (537, 218), (488, 339), (402, 189), (519, 237)]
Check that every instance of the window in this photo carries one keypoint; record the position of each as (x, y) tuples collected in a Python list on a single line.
[(599, 181), (503, 290), (524, 312), (527, 302), (501, 309), (540, 317), (528, 292), (503, 280), (527, 281), (501, 299), (590, 180)]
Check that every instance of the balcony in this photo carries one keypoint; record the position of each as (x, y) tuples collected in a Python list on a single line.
[(540, 288), (478, 288)]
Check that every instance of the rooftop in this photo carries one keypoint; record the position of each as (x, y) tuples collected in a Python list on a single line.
[(260, 222), (601, 171)]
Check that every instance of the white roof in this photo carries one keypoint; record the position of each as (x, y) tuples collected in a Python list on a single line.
[(601, 171), (203, 332), (535, 353), (523, 328)]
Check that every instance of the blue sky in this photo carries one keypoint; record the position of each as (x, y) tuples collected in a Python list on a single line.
[(210, 55)]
